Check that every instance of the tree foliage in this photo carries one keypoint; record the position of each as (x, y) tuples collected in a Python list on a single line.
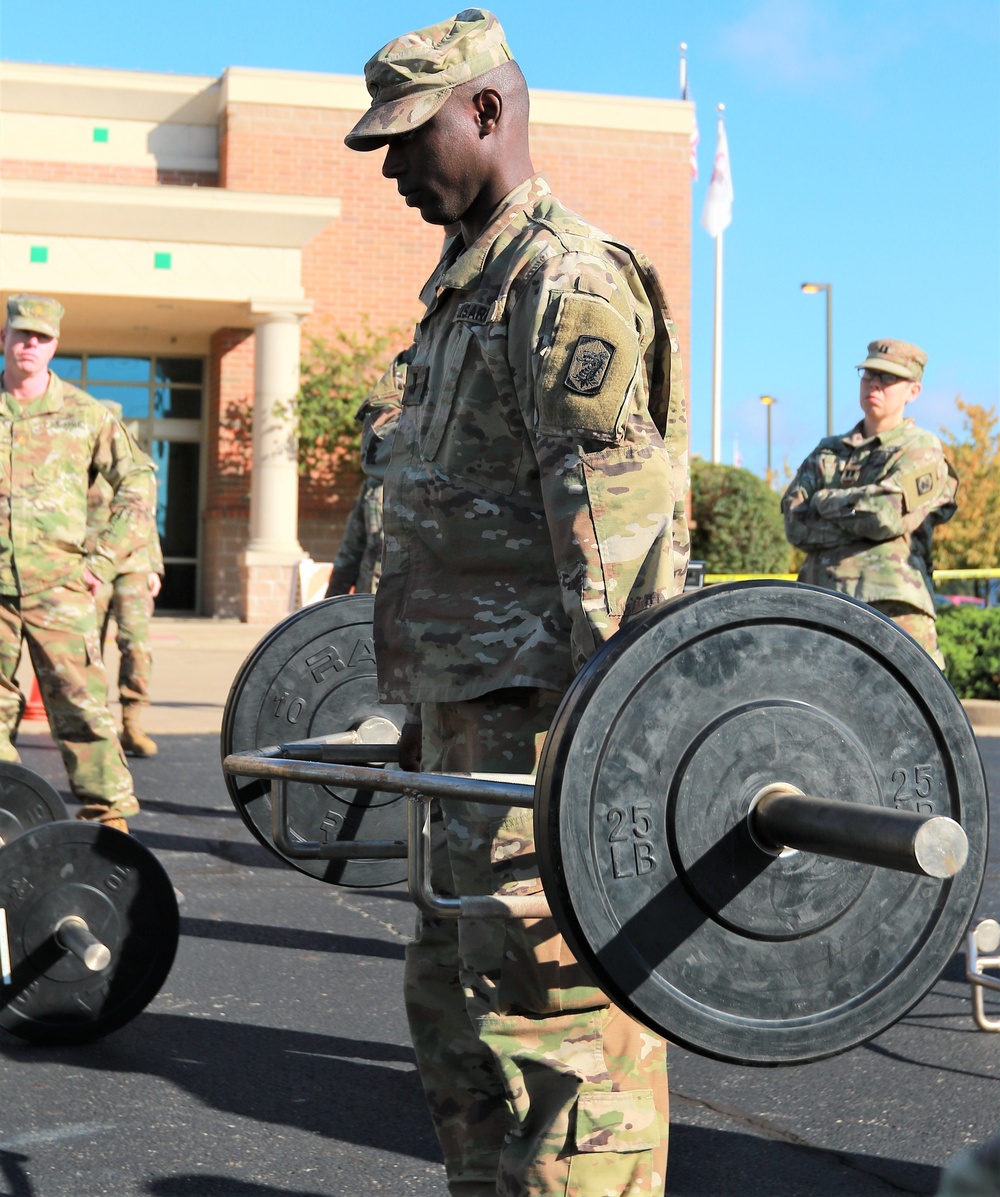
[(336, 375), (971, 539), (738, 524)]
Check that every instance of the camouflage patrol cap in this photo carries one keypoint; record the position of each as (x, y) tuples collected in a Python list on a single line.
[(411, 77), (895, 357), (35, 313)]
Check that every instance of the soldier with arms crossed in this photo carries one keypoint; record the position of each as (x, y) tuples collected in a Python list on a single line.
[(534, 500), (54, 439), (864, 506)]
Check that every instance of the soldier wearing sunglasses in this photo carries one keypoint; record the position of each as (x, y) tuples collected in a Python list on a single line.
[(864, 506)]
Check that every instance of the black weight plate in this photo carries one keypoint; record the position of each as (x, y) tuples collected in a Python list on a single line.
[(646, 777), (26, 800), (312, 675), (127, 900)]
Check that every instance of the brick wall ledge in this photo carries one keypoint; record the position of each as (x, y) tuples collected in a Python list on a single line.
[(984, 715)]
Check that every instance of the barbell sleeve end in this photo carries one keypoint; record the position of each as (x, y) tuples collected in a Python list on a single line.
[(941, 847), (781, 817), (73, 934)]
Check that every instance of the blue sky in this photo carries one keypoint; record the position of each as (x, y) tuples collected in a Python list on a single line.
[(865, 144)]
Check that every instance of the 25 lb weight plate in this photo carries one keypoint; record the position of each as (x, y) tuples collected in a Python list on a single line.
[(313, 675), (658, 751)]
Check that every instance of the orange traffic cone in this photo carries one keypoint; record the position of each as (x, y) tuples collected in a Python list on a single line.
[(34, 710)]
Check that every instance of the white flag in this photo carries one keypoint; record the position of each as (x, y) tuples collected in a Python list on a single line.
[(718, 211), (737, 455)]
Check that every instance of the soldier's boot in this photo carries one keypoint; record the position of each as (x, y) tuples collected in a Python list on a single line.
[(111, 814), (8, 752), (134, 739)]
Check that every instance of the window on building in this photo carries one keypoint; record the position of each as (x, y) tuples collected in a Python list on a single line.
[(161, 402)]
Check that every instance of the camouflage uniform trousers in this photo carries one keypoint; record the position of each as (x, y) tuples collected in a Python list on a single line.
[(60, 627), (130, 600), (536, 1083), (921, 627)]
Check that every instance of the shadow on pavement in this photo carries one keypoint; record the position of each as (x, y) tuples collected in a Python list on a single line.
[(199, 1185), (732, 1164), (356, 1091), (186, 808), (286, 937), (242, 852), (18, 1184)]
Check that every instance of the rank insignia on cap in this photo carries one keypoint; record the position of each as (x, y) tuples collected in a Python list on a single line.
[(924, 483), (588, 367)]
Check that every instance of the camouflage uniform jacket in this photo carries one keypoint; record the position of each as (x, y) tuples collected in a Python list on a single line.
[(359, 559), (535, 495), (50, 449), (864, 509), (147, 557)]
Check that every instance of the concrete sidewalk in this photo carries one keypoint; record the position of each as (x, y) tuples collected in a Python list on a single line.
[(194, 663)]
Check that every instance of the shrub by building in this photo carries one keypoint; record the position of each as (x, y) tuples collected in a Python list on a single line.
[(738, 525)]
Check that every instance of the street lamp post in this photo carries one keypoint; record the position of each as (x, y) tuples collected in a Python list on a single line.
[(812, 289), (769, 401)]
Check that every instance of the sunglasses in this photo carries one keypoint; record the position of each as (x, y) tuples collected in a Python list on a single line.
[(882, 377)]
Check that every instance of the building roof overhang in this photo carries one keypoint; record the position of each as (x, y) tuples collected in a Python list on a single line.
[(179, 214)]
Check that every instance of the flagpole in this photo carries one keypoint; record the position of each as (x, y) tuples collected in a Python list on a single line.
[(717, 358), (716, 216)]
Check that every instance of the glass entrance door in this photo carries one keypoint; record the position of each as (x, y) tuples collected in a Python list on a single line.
[(161, 400)]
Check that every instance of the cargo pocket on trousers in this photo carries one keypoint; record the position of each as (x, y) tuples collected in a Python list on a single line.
[(615, 1134)]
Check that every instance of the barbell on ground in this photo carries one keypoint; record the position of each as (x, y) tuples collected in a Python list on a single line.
[(88, 919), (760, 812)]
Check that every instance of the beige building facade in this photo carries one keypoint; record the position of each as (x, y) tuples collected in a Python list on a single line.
[(197, 228)]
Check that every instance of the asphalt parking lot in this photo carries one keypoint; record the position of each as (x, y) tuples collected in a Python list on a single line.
[(276, 1060)]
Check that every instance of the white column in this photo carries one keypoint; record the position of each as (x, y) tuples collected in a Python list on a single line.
[(274, 483)]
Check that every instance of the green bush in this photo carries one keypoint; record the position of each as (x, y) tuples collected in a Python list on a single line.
[(970, 640), (738, 524)]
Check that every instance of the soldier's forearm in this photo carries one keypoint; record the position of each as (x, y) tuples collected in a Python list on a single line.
[(870, 512)]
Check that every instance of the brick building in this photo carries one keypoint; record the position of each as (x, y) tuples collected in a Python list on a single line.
[(194, 228)]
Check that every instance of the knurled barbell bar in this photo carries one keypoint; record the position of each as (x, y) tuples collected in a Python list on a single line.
[(88, 918), (682, 853)]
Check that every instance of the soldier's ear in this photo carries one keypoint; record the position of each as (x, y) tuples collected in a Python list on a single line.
[(915, 389), (488, 104)]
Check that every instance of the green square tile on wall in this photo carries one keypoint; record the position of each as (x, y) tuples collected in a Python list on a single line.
[(39, 253), (162, 261), (100, 134)]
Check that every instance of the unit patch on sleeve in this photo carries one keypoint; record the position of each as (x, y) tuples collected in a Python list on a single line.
[(588, 371), (916, 484), (588, 367)]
